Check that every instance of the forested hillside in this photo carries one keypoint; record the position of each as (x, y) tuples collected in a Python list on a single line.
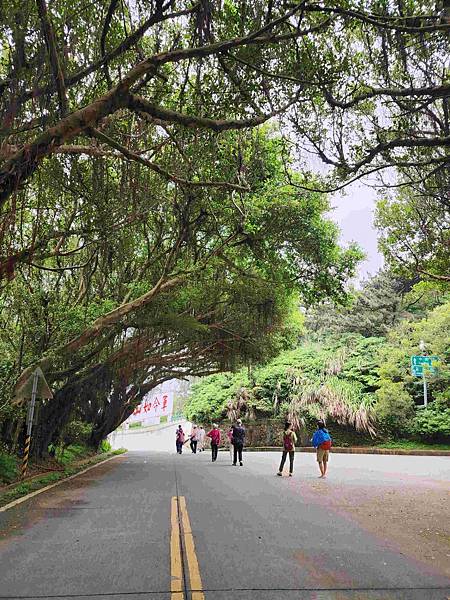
[(351, 367)]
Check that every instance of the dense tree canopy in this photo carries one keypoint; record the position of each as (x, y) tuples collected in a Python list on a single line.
[(181, 282), (153, 223), (90, 77), (415, 231), (370, 311)]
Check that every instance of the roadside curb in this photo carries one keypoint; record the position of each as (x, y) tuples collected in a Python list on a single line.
[(358, 450), (52, 485)]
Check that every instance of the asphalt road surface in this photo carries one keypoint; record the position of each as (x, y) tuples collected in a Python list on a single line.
[(159, 526)]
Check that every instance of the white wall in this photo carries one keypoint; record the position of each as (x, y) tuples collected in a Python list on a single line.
[(156, 439)]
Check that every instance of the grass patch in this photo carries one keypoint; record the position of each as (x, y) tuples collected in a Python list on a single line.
[(8, 468), (72, 453), (29, 486), (26, 487), (412, 445)]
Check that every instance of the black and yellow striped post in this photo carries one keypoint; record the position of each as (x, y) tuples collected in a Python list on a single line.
[(30, 385), (30, 415), (26, 454)]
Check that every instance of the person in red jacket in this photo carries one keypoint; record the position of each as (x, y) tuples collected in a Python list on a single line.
[(180, 439), (214, 434)]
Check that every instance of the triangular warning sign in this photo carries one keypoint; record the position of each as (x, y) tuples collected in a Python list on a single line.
[(43, 390)]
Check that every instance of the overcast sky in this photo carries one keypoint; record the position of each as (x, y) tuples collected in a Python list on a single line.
[(354, 213)]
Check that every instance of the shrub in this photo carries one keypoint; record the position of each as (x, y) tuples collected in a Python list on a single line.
[(104, 446), (72, 453), (76, 432), (8, 468), (210, 396), (394, 408), (433, 422)]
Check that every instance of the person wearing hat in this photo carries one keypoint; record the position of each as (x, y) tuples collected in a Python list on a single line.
[(214, 434), (238, 435)]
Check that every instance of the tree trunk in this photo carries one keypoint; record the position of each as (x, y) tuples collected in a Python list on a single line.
[(53, 417), (112, 415)]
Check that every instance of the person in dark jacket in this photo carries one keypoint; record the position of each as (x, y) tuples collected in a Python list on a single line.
[(194, 438), (238, 436)]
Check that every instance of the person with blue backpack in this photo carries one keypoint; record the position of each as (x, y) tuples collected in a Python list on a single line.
[(322, 442)]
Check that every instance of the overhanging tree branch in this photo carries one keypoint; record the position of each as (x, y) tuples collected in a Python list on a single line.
[(109, 15), (24, 163), (435, 92), (162, 172), (406, 24), (55, 64), (435, 142), (102, 323), (138, 104), (123, 47)]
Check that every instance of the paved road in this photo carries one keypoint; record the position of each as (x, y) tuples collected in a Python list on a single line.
[(145, 523)]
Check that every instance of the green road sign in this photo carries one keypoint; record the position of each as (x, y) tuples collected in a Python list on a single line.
[(418, 362)]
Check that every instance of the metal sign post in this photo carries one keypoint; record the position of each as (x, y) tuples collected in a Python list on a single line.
[(30, 415), (425, 395), (420, 366), (34, 386)]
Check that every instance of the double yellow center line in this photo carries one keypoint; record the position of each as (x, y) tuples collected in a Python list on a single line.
[(181, 531)]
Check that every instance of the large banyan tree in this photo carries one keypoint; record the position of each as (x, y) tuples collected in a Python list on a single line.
[(152, 223)]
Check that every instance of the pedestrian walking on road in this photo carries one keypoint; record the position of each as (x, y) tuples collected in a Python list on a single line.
[(238, 432), (214, 434), (201, 439), (194, 439), (289, 440), (180, 439), (322, 442)]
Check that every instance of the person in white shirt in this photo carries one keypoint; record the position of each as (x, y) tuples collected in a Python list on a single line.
[(201, 438)]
